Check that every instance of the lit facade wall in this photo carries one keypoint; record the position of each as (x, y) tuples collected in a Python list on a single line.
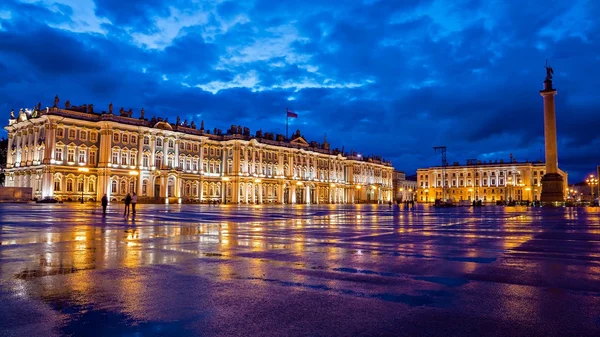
[(404, 190), (163, 162), (488, 182)]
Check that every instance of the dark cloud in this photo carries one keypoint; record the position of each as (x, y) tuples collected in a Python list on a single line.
[(384, 77)]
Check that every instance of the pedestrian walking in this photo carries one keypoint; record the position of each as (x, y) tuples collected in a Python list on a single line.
[(133, 202), (127, 203), (104, 203)]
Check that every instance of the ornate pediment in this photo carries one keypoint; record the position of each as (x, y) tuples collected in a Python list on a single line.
[(299, 141)]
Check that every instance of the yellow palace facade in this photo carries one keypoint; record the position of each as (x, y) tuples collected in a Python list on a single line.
[(75, 152), (484, 181)]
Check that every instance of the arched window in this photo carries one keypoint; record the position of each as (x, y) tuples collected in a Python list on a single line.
[(123, 187), (113, 188), (145, 187), (170, 188), (145, 160), (158, 141), (92, 186), (188, 190), (69, 185), (57, 184)]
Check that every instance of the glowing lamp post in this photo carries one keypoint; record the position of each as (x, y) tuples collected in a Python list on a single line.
[(82, 170), (592, 181)]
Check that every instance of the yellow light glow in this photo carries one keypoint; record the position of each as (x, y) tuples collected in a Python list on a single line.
[(299, 183), (257, 180), (225, 178), (83, 169), (358, 187), (332, 185), (134, 173)]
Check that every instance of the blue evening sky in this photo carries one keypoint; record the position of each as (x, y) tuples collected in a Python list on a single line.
[(389, 78)]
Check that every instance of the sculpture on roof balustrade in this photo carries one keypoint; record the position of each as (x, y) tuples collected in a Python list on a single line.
[(110, 108), (56, 100)]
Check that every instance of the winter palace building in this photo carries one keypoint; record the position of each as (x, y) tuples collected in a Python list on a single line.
[(66, 153)]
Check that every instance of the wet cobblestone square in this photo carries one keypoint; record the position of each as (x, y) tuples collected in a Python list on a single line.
[(320, 270)]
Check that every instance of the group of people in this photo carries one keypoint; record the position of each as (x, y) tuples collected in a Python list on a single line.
[(130, 200)]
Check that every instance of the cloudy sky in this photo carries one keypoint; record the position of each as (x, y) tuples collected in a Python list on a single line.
[(390, 78)]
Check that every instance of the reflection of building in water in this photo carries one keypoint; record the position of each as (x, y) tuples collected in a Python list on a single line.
[(67, 153), (485, 181)]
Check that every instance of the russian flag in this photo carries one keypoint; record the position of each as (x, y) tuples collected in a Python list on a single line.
[(291, 114)]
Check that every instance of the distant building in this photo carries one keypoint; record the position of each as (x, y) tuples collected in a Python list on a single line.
[(74, 153), (404, 188), (485, 181)]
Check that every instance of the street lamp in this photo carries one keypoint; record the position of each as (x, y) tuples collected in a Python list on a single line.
[(592, 181), (82, 170)]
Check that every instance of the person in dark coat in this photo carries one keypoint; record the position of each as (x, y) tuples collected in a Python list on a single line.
[(104, 203), (127, 203)]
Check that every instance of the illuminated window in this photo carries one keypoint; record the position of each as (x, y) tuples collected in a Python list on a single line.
[(71, 155), (81, 156), (92, 157), (69, 185), (146, 160), (91, 186), (123, 158), (132, 160), (113, 188), (57, 185), (80, 185), (83, 135), (58, 154), (115, 157)]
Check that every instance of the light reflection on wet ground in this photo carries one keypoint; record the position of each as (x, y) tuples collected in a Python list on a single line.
[(299, 270)]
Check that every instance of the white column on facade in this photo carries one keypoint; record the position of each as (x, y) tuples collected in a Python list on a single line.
[(307, 194), (260, 192), (152, 153), (176, 160)]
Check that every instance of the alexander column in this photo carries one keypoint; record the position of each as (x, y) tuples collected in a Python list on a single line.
[(552, 182)]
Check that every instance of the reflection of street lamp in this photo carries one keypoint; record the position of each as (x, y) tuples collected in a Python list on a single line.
[(426, 195), (82, 170)]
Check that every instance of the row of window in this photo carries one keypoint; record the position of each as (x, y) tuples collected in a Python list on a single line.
[(72, 134), (58, 185), (70, 156), (439, 175)]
